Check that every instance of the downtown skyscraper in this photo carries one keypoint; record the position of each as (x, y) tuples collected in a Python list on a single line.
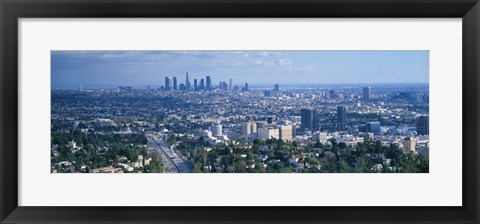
[(310, 119), (168, 83), (174, 83), (202, 85), (209, 83), (187, 83), (422, 125)]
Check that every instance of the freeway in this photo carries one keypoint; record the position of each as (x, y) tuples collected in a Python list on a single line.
[(182, 162), (169, 165), (172, 161)]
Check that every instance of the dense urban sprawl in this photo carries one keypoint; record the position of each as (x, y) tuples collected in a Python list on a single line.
[(204, 128)]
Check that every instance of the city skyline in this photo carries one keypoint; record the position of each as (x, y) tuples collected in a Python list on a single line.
[(110, 69), (240, 112)]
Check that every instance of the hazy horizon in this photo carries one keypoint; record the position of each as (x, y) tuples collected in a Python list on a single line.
[(110, 69), (255, 86)]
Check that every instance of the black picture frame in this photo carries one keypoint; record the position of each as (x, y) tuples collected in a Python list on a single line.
[(12, 10)]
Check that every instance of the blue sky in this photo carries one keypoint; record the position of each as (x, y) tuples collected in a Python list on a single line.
[(95, 69)]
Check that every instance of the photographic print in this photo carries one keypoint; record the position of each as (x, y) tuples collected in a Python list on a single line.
[(255, 111)]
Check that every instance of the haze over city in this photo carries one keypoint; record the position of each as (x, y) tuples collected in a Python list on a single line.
[(240, 112), (110, 69)]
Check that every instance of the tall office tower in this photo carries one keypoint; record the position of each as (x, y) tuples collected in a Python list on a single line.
[(276, 87), (224, 86), (341, 118), (81, 88), (195, 85), (422, 125), (246, 129), (367, 93), (332, 94), (182, 87), (230, 85), (286, 132), (209, 83), (187, 83), (305, 118), (235, 88), (174, 83), (168, 83), (202, 84), (246, 87), (309, 119), (373, 127), (217, 130)]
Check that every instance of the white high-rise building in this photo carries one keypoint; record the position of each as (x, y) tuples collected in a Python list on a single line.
[(217, 130), (286, 133), (320, 136), (268, 133), (245, 129), (253, 128), (409, 145)]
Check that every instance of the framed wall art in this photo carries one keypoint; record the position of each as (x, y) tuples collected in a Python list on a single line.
[(239, 111)]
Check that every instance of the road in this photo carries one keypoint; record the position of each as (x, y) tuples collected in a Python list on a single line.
[(173, 163), (169, 165)]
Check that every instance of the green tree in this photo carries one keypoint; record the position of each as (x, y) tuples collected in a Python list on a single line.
[(362, 166), (343, 166)]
